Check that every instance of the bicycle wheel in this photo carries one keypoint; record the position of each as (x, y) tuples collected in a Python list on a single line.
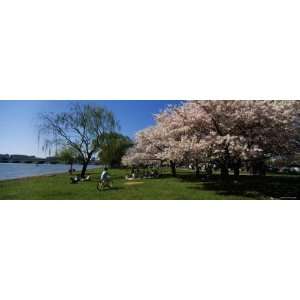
[(99, 186)]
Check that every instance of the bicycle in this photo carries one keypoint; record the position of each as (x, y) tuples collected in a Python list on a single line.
[(102, 184)]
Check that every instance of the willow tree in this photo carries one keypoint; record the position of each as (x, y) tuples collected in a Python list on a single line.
[(83, 128), (114, 148)]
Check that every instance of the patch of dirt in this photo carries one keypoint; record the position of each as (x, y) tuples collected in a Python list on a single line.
[(133, 183)]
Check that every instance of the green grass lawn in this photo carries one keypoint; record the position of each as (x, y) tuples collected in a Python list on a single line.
[(184, 186)]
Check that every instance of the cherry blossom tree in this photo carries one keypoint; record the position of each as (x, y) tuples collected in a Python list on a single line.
[(148, 147), (227, 133), (234, 131)]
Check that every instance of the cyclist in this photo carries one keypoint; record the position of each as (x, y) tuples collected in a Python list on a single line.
[(105, 180)]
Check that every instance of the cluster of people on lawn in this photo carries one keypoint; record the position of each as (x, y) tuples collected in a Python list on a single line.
[(77, 179), (142, 173), (135, 173)]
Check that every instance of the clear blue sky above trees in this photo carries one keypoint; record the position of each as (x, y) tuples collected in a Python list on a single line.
[(18, 120)]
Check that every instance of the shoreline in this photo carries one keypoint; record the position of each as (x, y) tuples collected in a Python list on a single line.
[(41, 175)]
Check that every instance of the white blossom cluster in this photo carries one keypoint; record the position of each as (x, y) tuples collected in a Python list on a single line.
[(219, 130)]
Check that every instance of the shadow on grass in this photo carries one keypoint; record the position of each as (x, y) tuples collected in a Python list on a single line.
[(162, 176), (110, 189), (251, 186)]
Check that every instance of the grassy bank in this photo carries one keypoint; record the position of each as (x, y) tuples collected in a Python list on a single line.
[(185, 186)]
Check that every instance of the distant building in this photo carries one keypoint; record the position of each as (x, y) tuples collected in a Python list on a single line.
[(4, 157), (21, 157)]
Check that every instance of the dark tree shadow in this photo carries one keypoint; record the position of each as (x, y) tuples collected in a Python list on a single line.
[(252, 186), (166, 175)]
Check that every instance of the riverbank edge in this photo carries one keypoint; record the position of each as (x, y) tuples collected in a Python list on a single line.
[(43, 175)]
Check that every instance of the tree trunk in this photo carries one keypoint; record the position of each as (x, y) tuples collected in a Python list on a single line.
[(262, 169), (84, 167), (85, 164), (209, 170), (253, 169), (197, 169), (71, 168), (224, 171), (236, 171), (224, 164), (258, 168), (236, 168), (173, 168)]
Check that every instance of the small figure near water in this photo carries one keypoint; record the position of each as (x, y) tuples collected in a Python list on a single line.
[(71, 171)]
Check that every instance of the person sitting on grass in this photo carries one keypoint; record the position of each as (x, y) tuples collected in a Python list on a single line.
[(75, 179), (155, 173), (86, 178), (132, 176), (146, 173)]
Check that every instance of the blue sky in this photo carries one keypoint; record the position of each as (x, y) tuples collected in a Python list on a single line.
[(18, 120)]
